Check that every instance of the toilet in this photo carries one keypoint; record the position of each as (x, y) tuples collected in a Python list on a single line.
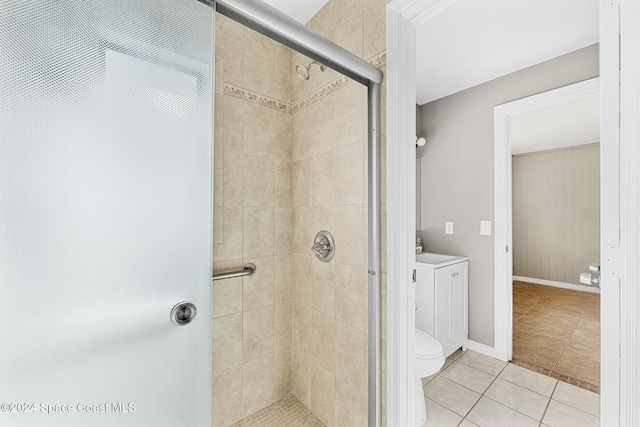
[(428, 360)]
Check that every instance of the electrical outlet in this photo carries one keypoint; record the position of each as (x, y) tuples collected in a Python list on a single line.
[(448, 228), (485, 228)]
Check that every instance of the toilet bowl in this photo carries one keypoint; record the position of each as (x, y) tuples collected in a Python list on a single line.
[(428, 360)]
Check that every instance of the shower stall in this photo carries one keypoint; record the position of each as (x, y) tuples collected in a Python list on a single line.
[(148, 148)]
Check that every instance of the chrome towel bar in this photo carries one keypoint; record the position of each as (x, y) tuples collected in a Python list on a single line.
[(248, 270)]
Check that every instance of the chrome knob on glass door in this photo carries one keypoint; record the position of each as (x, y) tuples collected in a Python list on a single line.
[(183, 313)]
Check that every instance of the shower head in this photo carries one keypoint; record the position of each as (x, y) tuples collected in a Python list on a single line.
[(303, 71)]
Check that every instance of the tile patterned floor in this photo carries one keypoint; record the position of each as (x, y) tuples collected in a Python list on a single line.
[(556, 332), (287, 412), (473, 390)]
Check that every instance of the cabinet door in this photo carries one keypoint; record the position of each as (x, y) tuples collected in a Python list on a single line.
[(444, 299), (459, 308), (451, 306)]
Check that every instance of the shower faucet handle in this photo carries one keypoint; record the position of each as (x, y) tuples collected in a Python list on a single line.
[(320, 248), (324, 246)]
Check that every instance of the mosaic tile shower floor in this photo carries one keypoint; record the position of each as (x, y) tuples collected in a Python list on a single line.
[(287, 412)]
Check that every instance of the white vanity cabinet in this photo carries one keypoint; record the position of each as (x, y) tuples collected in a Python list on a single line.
[(442, 303)]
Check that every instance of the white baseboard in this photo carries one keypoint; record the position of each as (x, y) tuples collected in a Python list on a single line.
[(482, 349), (583, 288)]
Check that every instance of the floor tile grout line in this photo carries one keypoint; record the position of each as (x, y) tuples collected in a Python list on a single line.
[(569, 340), (490, 384), (528, 389), (568, 404), (505, 367), (481, 369), (566, 344), (544, 413), (573, 407), (502, 404), (514, 410), (462, 385), (482, 395)]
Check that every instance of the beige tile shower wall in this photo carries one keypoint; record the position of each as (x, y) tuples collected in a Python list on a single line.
[(556, 213), (330, 193), (253, 217)]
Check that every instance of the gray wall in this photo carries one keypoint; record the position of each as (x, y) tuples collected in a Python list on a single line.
[(556, 213), (457, 170)]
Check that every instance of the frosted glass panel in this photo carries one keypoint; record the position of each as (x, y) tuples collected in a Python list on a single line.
[(105, 212)]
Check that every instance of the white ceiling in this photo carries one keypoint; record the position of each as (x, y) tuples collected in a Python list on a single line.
[(475, 41), (567, 125), (300, 10)]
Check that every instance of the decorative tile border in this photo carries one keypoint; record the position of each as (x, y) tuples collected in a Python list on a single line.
[(282, 106), (377, 61), (257, 98), (317, 95)]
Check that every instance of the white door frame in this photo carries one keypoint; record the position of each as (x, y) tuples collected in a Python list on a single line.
[(503, 198), (403, 16), (611, 316), (629, 77)]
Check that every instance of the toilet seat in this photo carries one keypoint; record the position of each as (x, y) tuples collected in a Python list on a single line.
[(428, 354), (427, 346)]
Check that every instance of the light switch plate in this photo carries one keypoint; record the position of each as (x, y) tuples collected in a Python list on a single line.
[(485, 228), (448, 228)]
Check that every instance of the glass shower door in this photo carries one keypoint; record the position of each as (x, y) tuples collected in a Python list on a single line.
[(105, 212)]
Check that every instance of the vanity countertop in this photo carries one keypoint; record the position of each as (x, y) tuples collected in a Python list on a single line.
[(439, 260)]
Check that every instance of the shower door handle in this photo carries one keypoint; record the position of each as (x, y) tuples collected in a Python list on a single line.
[(183, 313)]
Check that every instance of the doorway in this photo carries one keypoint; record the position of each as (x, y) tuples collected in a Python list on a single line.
[(403, 18), (556, 240), (522, 298)]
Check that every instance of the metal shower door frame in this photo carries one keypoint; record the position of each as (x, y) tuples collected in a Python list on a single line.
[(272, 23)]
